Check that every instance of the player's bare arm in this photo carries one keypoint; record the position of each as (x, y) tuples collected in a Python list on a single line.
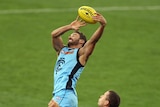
[(57, 41), (88, 48)]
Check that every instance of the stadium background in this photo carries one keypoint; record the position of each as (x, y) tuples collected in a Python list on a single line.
[(126, 59)]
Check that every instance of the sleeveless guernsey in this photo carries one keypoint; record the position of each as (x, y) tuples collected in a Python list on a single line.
[(67, 69)]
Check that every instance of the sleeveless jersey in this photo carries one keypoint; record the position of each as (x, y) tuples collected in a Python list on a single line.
[(67, 69)]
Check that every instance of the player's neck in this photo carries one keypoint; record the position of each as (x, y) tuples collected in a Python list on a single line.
[(75, 46)]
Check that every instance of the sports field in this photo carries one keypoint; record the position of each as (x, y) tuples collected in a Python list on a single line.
[(126, 59)]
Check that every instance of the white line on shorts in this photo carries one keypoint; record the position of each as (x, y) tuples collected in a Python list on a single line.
[(55, 10)]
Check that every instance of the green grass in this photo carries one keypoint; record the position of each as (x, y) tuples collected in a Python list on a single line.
[(126, 59)]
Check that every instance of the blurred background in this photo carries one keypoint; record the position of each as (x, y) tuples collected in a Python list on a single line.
[(126, 59)]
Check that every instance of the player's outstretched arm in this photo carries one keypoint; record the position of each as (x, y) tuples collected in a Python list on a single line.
[(88, 48), (57, 41)]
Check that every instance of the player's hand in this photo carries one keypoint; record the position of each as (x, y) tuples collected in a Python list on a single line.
[(99, 18), (52, 103), (75, 25)]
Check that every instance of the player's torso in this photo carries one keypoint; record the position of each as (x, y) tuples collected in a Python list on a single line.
[(67, 69), (66, 60)]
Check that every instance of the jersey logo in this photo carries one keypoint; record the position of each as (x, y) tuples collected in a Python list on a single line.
[(60, 62), (68, 52)]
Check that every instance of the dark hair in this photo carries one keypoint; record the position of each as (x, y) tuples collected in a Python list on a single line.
[(82, 36), (114, 99)]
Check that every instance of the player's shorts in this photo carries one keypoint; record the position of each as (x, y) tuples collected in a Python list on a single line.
[(66, 98)]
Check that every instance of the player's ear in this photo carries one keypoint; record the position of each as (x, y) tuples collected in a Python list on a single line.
[(106, 103), (81, 41)]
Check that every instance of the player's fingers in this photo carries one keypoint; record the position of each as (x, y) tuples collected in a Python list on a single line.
[(51, 103), (97, 13), (77, 18), (81, 20), (83, 23)]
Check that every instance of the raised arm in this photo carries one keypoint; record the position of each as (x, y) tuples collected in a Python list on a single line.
[(57, 41), (88, 48)]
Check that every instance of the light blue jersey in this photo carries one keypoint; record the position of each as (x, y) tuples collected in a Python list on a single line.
[(67, 70)]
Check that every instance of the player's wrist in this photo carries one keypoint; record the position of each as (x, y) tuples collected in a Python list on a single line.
[(69, 27), (103, 24)]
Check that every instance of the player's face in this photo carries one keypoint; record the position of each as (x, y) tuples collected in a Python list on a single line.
[(73, 39), (102, 102)]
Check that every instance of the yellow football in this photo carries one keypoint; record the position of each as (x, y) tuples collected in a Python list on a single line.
[(86, 13)]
